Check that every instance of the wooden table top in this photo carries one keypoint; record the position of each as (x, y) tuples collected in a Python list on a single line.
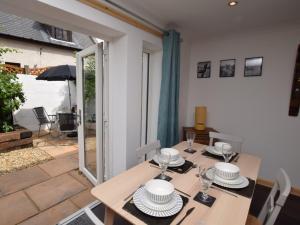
[(227, 209)]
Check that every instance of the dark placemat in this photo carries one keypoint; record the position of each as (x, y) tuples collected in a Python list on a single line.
[(167, 178), (208, 203), (186, 167), (132, 209), (190, 152), (246, 192), (220, 158)]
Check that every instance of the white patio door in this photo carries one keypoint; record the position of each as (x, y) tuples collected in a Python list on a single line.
[(90, 110)]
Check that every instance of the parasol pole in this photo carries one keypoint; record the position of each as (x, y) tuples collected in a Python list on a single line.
[(69, 95)]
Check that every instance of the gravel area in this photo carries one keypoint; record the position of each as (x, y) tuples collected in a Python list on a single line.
[(22, 158)]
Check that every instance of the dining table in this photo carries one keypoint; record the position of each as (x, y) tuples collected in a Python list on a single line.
[(228, 208)]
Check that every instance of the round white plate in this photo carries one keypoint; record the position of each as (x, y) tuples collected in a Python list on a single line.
[(154, 206), (243, 184), (176, 163), (236, 181), (213, 151), (138, 200)]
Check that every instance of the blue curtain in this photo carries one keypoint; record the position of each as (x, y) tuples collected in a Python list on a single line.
[(168, 130)]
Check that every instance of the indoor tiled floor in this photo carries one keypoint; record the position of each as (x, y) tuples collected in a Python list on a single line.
[(44, 194)]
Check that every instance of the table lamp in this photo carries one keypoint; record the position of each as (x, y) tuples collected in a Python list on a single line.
[(200, 117)]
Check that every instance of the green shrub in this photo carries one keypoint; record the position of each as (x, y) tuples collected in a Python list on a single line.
[(11, 96)]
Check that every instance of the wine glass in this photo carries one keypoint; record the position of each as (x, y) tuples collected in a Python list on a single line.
[(164, 160), (206, 182), (226, 152), (190, 137)]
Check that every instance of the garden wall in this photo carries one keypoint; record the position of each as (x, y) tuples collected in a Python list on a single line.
[(53, 95)]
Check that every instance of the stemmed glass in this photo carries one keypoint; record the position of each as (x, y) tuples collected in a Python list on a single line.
[(190, 137), (226, 152), (206, 182), (163, 160)]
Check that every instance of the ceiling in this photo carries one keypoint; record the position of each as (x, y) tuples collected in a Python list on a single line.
[(198, 18)]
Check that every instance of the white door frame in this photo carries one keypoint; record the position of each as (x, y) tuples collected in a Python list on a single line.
[(145, 99), (96, 49)]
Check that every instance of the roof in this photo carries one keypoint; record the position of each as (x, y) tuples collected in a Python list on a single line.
[(20, 27)]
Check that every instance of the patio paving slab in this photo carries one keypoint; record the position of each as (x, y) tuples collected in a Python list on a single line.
[(81, 178), (8, 205), (22, 179), (53, 215), (83, 198), (54, 191), (59, 151), (59, 166)]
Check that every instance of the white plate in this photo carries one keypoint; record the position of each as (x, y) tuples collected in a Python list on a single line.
[(238, 180), (170, 211), (212, 150), (243, 184), (176, 163), (142, 195)]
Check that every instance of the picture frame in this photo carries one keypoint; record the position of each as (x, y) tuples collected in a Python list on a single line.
[(227, 68), (253, 66), (203, 69)]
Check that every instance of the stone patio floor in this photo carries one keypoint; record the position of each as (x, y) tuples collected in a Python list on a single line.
[(46, 193)]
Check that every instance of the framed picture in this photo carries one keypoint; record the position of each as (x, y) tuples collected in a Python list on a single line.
[(253, 66), (227, 68), (203, 69)]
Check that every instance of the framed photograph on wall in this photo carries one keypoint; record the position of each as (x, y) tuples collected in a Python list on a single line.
[(203, 69), (227, 68), (253, 66)]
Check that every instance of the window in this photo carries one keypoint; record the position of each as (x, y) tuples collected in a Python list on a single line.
[(61, 34)]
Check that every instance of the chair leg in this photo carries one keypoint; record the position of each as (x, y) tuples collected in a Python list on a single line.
[(39, 130), (50, 128)]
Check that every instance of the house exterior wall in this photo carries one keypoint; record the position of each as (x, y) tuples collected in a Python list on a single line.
[(36, 54)]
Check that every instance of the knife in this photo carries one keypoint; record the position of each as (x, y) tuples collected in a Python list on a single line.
[(186, 215)]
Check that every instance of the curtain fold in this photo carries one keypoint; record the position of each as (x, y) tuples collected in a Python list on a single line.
[(168, 130)]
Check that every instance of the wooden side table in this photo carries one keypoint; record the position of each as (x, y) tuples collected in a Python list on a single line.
[(202, 136)]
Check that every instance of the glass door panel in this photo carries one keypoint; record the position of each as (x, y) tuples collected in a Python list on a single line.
[(89, 82), (89, 110)]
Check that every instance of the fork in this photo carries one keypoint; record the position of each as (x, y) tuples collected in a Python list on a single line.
[(236, 159)]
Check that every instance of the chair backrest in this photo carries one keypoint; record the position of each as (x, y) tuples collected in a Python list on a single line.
[(143, 151), (41, 115), (235, 141), (272, 206), (66, 122)]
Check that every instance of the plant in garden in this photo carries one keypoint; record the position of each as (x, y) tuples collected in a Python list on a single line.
[(11, 95), (89, 72)]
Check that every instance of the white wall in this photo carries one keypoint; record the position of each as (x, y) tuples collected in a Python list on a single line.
[(53, 95), (255, 108), (36, 54), (183, 85)]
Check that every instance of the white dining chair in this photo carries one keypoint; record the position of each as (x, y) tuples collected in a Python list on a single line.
[(235, 141), (143, 151), (272, 206)]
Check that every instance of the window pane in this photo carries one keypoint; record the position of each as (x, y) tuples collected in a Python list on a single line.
[(58, 34), (65, 35)]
